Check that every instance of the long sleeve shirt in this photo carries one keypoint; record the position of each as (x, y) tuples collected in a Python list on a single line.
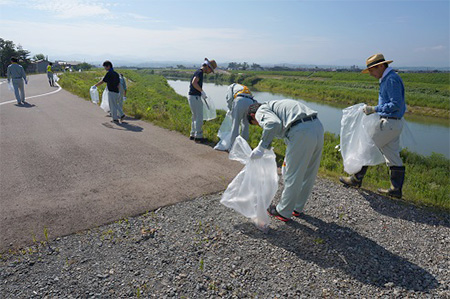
[(391, 97), (275, 118), (15, 71)]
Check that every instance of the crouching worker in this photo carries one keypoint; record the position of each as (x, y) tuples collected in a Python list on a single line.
[(239, 98), (391, 108), (112, 81), (303, 134)]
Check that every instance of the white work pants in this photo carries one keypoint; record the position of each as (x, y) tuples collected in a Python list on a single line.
[(239, 118), (386, 137)]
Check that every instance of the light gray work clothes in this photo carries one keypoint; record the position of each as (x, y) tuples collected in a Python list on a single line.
[(239, 118), (113, 99), (16, 74), (304, 143), (196, 104), (386, 137), (122, 89)]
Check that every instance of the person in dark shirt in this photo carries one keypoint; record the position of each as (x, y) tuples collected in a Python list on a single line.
[(196, 94), (112, 81)]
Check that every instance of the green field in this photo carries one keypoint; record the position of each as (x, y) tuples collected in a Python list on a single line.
[(427, 94), (152, 99)]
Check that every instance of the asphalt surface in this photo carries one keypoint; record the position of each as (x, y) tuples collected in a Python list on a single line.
[(64, 167)]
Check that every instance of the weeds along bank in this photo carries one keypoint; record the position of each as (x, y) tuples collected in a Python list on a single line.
[(150, 98), (427, 94)]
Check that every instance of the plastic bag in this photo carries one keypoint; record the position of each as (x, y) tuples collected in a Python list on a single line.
[(94, 95), (252, 190), (357, 147), (105, 101), (224, 133), (209, 109), (406, 137), (56, 78), (10, 86)]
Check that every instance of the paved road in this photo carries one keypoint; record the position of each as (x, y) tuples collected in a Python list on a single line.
[(65, 167)]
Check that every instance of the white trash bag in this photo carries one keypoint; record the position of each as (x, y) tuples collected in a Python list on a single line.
[(10, 86), (105, 101), (252, 190), (55, 78), (224, 133), (94, 95), (209, 109), (357, 147)]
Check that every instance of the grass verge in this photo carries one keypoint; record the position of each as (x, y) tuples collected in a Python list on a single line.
[(151, 98)]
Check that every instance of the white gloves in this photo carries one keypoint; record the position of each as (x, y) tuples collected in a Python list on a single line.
[(204, 95), (257, 153), (368, 109), (26, 81), (124, 99)]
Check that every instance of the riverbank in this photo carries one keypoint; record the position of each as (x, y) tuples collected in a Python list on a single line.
[(151, 98), (427, 94)]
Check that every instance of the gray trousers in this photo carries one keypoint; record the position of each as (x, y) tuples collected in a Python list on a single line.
[(113, 98), (386, 137), (50, 78), (19, 90), (304, 143), (196, 104), (120, 101), (239, 118)]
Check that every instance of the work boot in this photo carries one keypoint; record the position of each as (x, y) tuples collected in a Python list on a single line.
[(397, 179), (355, 180)]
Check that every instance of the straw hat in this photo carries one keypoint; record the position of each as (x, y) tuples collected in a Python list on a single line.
[(375, 60), (211, 63)]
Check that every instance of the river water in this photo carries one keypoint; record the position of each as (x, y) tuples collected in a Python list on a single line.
[(429, 137)]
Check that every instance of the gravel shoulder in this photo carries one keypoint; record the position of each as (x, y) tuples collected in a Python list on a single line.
[(349, 244)]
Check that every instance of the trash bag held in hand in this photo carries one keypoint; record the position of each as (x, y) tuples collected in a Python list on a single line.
[(94, 95), (252, 190), (209, 109), (357, 147), (105, 101), (56, 78), (224, 133)]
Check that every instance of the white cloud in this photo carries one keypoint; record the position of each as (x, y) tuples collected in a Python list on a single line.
[(429, 49), (70, 8)]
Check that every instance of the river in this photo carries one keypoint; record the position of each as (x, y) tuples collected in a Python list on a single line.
[(429, 137)]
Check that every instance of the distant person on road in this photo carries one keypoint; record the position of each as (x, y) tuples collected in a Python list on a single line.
[(303, 135), (239, 98), (16, 73), (391, 108), (112, 81), (196, 94), (122, 95), (50, 74)]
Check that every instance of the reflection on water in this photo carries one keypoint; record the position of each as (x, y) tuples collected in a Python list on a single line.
[(429, 137)]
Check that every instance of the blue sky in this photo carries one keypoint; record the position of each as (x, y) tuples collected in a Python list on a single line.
[(412, 33)]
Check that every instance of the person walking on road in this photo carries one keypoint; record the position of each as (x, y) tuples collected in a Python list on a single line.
[(50, 74), (16, 74), (239, 98), (112, 81), (303, 134), (195, 96), (122, 95), (391, 108)]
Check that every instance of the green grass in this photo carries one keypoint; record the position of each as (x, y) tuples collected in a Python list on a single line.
[(152, 99)]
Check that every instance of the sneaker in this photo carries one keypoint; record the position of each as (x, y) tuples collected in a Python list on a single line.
[(122, 117), (296, 214), (116, 121), (191, 137), (272, 210)]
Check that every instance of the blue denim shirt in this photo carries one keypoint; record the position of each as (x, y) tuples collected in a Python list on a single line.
[(391, 98)]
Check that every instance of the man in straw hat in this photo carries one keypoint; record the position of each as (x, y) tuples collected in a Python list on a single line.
[(391, 108), (196, 94)]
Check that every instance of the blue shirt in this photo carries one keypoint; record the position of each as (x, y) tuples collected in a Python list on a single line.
[(391, 98), (192, 90)]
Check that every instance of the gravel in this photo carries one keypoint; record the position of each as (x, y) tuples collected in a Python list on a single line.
[(349, 244)]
